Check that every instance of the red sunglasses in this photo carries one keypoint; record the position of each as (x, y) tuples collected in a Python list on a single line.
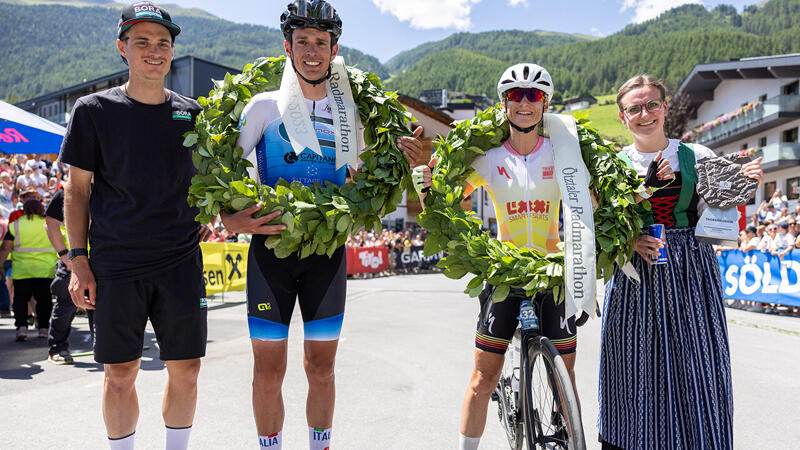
[(517, 94)]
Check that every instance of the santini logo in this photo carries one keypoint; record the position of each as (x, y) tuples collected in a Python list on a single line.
[(181, 115)]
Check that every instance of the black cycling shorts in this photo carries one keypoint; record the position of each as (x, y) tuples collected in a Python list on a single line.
[(498, 321), (173, 300), (273, 284)]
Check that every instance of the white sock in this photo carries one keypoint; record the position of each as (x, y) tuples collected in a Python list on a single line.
[(125, 443), (467, 443), (319, 439), (178, 438), (271, 442)]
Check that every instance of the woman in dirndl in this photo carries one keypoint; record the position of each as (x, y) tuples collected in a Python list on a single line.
[(665, 372)]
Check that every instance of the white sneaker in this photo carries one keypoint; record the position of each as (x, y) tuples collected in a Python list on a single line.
[(22, 334)]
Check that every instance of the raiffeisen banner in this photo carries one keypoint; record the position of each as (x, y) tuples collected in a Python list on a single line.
[(761, 277)]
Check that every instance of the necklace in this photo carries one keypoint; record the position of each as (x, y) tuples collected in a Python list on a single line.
[(124, 88)]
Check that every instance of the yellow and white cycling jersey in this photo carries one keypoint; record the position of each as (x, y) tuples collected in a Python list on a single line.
[(525, 194)]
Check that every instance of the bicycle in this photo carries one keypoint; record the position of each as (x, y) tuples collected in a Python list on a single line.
[(546, 415)]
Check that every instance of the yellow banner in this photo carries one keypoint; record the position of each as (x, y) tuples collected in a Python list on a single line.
[(224, 266)]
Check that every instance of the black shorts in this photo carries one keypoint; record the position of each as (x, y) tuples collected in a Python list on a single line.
[(319, 284), (498, 321), (173, 300)]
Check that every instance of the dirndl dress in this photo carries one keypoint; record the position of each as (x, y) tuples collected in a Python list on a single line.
[(665, 373)]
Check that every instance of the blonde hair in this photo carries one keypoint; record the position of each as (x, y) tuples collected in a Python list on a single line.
[(638, 81)]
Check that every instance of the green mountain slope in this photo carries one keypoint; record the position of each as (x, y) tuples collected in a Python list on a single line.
[(668, 46), (47, 47), (459, 70), (494, 44)]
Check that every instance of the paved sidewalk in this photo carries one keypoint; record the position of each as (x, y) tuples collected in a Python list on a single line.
[(402, 368)]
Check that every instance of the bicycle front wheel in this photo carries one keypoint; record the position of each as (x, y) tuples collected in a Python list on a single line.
[(549, 404)]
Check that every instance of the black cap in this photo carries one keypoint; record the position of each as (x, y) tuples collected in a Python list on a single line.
[(750, 229), (146, 12)]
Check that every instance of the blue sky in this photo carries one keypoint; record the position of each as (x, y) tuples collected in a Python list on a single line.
[(384, 28)]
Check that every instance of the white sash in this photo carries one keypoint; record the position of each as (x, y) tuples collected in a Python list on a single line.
[(573, 179), (345, 115), (294, 113), (295, 116)]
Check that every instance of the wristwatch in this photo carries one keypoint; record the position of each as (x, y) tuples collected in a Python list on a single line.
[(75, 252), (62, 253)]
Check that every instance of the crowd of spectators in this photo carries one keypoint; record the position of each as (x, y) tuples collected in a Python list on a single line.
[(23, 177), (397, 242), (24, 173), (773, 229)]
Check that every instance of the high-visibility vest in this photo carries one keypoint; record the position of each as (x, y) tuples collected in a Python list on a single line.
[(33, 255)]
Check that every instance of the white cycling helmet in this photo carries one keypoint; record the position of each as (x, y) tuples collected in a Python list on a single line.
[(525, 75)]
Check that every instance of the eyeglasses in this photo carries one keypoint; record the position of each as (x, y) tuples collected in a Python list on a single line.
[(517, 94), (650, 106)]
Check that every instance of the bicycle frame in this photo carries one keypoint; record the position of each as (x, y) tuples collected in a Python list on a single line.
[(507, 393)]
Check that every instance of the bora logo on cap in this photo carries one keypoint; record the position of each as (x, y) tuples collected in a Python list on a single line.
[(147, 9)]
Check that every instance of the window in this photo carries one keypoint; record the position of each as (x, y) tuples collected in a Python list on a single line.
[(793, 188), (769, 189), (744, 146), (789, 135), (762, 98), (762, 142), (791, 88)]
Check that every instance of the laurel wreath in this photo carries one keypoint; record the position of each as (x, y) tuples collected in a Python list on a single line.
[(318, 218), (471, 250)]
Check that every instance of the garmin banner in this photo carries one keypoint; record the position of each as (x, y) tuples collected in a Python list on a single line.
[(761, 277), (415, 258)]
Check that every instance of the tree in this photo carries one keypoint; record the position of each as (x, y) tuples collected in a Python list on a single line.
[(680, 111)]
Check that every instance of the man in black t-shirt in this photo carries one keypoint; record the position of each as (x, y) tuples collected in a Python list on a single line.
[(145, 259)]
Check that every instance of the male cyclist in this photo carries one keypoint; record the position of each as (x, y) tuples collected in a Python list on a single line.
[(278, 148)]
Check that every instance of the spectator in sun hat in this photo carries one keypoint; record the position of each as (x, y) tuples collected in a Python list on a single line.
[(34, 261), (25, 195)]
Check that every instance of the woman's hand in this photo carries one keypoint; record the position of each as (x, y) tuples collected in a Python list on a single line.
[(753, 170), (648, 248)]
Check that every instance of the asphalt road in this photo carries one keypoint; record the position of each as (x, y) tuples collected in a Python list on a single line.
[(402, 368)]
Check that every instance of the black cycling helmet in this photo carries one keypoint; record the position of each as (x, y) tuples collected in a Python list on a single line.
[(317, 14)]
